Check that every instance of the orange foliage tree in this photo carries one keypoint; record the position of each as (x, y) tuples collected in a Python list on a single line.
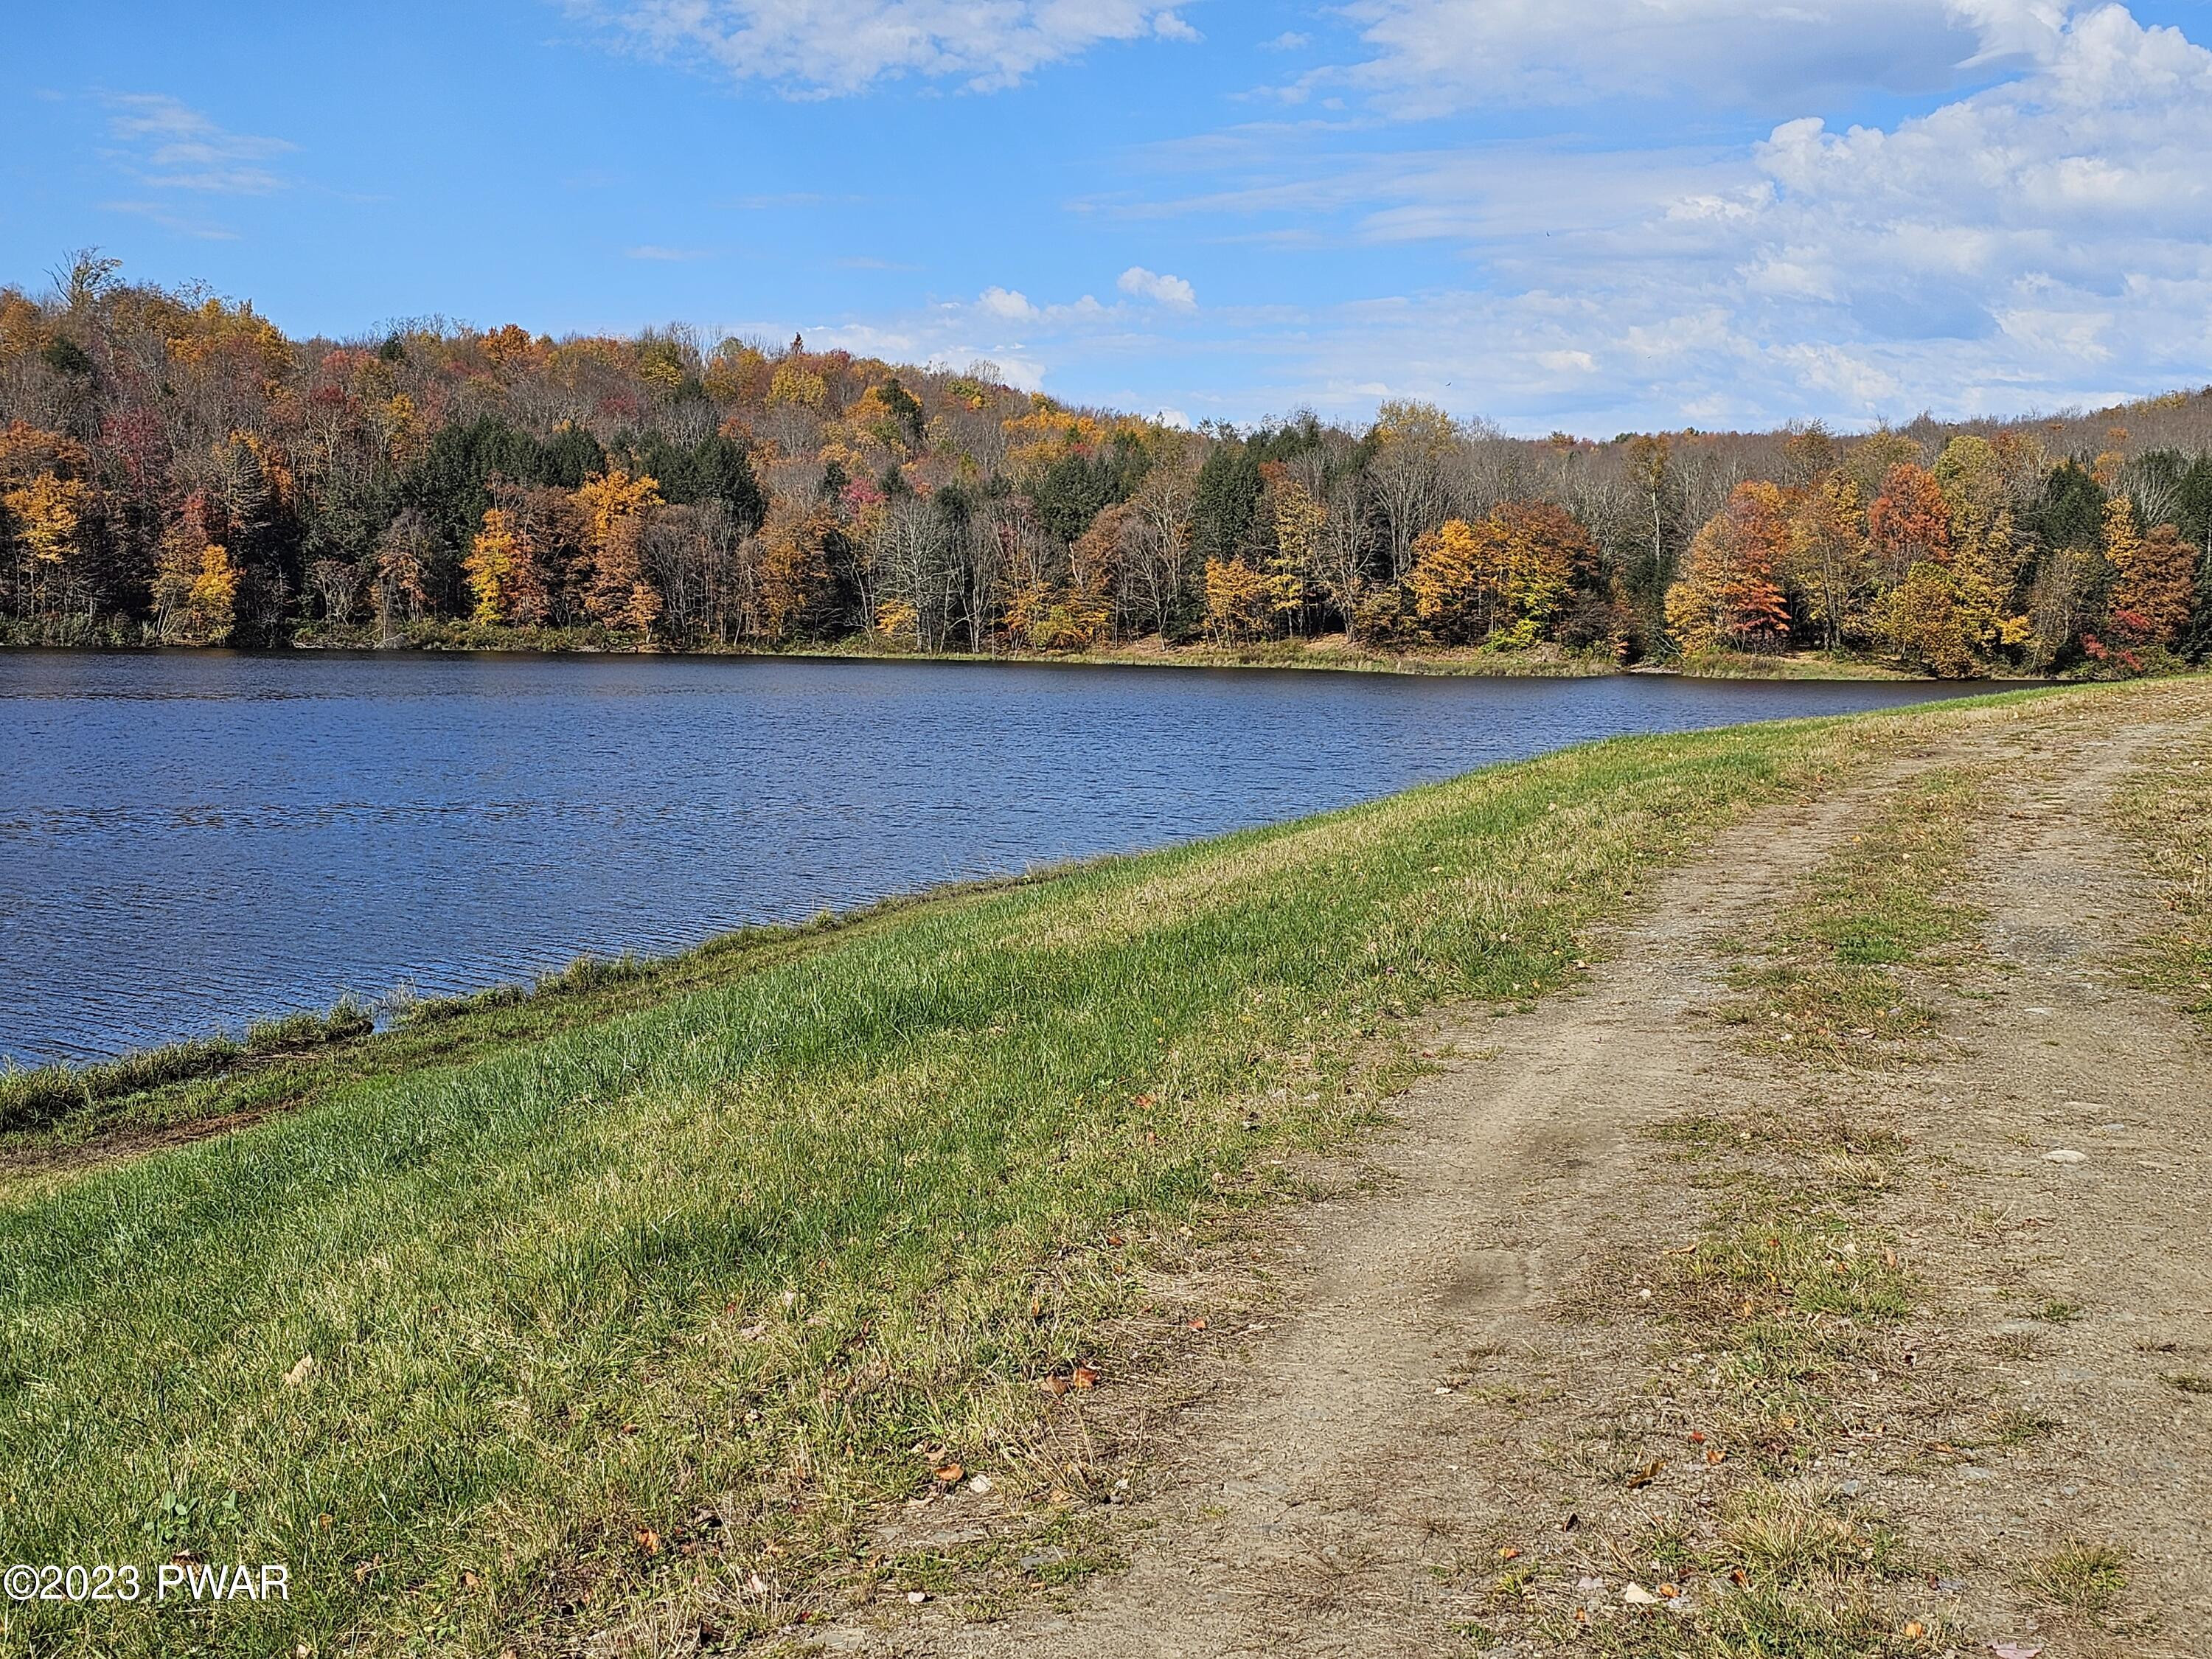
[(1730, 598), (2154, 580), (1909, 522)]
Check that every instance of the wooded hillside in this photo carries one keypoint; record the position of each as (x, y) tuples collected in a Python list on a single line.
[(174, 469)]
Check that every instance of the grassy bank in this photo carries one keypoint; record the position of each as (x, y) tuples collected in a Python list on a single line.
[(2165, 809), (642, 1291), (1331, 653)]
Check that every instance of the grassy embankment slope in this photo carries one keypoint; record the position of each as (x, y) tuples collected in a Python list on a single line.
[(527, 1316)]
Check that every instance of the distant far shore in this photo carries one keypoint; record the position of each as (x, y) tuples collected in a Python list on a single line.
[(1325, 654)]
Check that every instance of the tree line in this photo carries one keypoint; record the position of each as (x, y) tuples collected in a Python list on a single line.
[(174, 469)]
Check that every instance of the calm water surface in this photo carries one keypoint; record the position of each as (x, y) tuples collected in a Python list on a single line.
[(189, 840)]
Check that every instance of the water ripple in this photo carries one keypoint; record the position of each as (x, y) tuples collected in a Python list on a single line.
[(189, 840)]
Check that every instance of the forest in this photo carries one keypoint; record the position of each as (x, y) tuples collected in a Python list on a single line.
[(174, 469)]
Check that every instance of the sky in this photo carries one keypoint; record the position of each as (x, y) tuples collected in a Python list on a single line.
[(1592, 216)]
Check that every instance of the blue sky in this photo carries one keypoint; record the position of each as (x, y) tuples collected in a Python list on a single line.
[(1587, 213)]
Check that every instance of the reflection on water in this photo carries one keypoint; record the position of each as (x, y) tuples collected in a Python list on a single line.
[(191, 840)]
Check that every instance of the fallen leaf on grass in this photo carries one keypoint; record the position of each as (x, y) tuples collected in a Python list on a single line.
[(648, 1540), (1085, 1376), (948, 1473), (298, 1374), (1647, 1474), (1637, 1597)]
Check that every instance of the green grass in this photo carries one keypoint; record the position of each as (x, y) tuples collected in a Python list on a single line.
[(1789, 1571), (2166, 808), (1828, 990), (2083, 1578), (721, 1252)]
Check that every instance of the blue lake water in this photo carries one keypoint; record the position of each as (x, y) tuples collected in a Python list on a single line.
[(192, 839)]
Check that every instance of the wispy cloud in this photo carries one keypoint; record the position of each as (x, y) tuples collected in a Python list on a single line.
[(1428, 56), (824, 48), (165, 215), (169, 145)]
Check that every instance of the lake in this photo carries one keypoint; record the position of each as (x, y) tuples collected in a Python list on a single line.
[(192, 839)]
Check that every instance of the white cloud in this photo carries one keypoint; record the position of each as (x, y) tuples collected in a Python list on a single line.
[(171, 146), (1171, 291), (1010, 304), (2045, 240), (825, 47), (1430, 56)]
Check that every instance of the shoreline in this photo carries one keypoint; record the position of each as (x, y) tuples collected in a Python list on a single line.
[(1795, 667)]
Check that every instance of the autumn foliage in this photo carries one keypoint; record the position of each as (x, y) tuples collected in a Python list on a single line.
[(174, 469)]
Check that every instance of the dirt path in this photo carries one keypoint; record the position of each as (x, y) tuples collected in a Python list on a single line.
[(1457, 1365)]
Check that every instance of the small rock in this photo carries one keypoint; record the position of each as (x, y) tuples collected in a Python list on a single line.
[(1637, 1597), (916, 1598), (2065, 1155), (1850, 1488)]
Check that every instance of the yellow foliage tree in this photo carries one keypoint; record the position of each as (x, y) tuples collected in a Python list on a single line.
[(502, 571), (798, 387), (1929, 625), (1448, 580), (1826, 559), (615, 507), (1503, 577), (1240, 601), (45, 515), (195, 592)]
